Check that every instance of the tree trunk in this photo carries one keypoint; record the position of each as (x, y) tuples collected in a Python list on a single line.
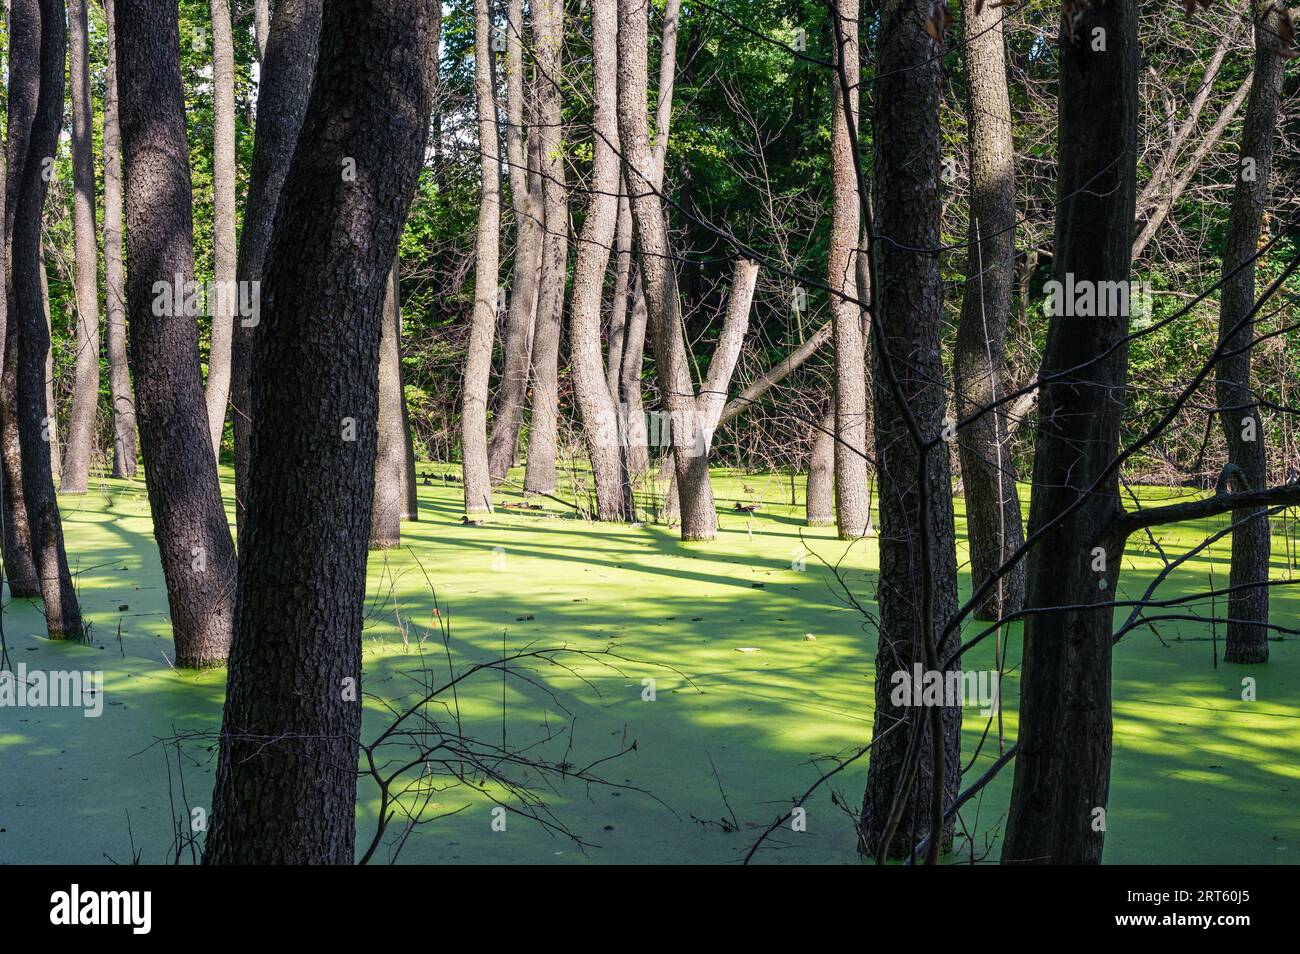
[(916, 597), (286, 781), (663, 304), (543, 431), (590, 385), (390, 454), (993, 522), (190, 524), (75, 472), (819, 499), (1062, 779), (636, 456), (38, 26), (217, 391), (262, 26), (478, 361), (1243, 428), (622, 282), (852, 505), (288, 66), (119, 374), (50, 422)]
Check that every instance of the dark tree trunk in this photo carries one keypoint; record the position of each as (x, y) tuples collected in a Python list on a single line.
[(288, 64), (988, 473), (119, 374), (908, 297), (1243, 428), (75, 472), (390, 454), (286, 782), (819, 502), (39, 26), (1062, 776), (190, 523)]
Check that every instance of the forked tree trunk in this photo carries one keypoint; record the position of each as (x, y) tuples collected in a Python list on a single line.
[(487, 267), (288, 65), (1243, 428), (75, 472), (286, 786), (217, 390), (988, 472), (190, 526), (819, 498), (390, 454), (119, 374), (1062, 780), (543, 430), (908, 297)]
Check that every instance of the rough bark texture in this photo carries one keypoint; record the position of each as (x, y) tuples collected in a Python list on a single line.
[(908, 295), (1063, 762), (190, 525), (852, 505), (487, 267), (119, 373), (819, 502), (217, 390), (288, 64), (590, 385), (286, 782), (1247, 640), (389, 498), (988, 474), (41, 26), (663, 304), (80, 445), (543, 432), (526, 200)]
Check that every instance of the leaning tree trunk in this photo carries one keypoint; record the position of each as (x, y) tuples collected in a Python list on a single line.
[(1062, 780), (287, 777), (526, 200), (119, 374), (663, 303), (852, 504), (38, 27), (190, 525), (75, 472), (217, 390), (979, 358), (590, 385), (487, 262), (916, 596), (819, 497), (1243, 428), (543, 431), (288, 64)]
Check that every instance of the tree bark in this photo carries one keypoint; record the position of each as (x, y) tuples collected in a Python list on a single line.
[(916, 597), (819, 499), (390, 454), (217, 390), (288, 66), (119, 374), (1062, 775), (262, 26), (38, 26), (190, 524), (543, 431), (993, 522), (487, 266), (1243, 428), (50, 422), (286, 781), (75, 472)]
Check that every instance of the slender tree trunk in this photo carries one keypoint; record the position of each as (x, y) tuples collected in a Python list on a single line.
[(1062, 780), (287, 778), (543, 432), (217, 391), (663, 303), (50, 422), (1243, 428), (636, 455), (119, 374), (288, 66), (390, 455), (622, 281), (85, 390), (39, 26), (591, 387), (979, 358), (262, 26), (478, 362), (916, 597), (190, 524), (819, 502)]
